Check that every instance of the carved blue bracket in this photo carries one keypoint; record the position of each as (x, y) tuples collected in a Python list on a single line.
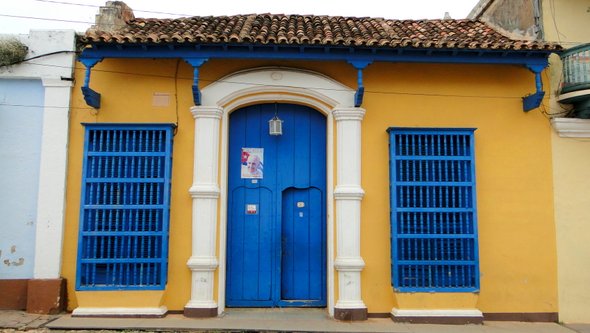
[(359, 65), (533, 101), (196, 63), (91, 97)]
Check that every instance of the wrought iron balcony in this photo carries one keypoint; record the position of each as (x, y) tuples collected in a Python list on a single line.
[(575, 88)]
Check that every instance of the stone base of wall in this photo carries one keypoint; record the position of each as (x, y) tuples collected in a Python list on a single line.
[(350, 314), (46, 296), (14, 294), (547, 317), (40, 296), (200, 313)]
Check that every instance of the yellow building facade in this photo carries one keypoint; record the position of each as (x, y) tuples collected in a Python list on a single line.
[(515, 255)]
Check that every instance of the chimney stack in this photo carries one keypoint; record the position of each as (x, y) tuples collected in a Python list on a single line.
[(113, 16)]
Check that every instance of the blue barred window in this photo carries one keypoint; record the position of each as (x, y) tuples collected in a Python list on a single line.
[(433, 210), (125, 200)]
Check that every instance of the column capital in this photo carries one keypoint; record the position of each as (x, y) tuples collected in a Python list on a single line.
[(349, 264), (204, 111), (341, 114), (348, 192), (207, 191), (202, 263)]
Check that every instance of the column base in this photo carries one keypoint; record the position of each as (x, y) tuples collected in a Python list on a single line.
[(451, 317), (200, 312), (350, 314), (46, 296)]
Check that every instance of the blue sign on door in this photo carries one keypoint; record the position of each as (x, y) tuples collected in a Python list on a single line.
[(276, 249)]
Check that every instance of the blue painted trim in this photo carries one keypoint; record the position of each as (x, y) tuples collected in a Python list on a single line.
[(533, 101), (437, 290), (166, 202), (196, 63), (318, 53), (81, 216), (146, 282), (429, 130), (301, 304), (250, 304), (91, 97), (392, 204), (136, 126), (468, 265), (359, 65), (359, 57), (475, 219)]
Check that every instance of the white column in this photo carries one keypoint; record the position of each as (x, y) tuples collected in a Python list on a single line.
[(52, 179), (348, 195), (205, 193)]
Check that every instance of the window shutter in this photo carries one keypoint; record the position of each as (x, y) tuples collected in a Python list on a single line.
[(123, 241), (433, 210)]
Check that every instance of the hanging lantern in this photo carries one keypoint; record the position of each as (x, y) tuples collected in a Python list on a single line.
[(275, 126)]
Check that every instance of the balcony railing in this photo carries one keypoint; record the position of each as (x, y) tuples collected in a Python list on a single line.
[(576, 69)]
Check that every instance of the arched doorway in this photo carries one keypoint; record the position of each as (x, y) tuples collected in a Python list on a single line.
[(276, 211)]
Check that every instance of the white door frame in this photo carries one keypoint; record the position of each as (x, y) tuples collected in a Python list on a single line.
[(209, 190)]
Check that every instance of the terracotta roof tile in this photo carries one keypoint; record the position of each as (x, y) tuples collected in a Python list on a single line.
[(315, 30)]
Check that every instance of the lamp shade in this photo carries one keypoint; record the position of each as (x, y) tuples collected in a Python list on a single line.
[(275, 126)]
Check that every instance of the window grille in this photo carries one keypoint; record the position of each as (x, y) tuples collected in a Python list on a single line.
[(123, 240), (433, 210)]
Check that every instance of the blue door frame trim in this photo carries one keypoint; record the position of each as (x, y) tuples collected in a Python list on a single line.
[(359, 57)]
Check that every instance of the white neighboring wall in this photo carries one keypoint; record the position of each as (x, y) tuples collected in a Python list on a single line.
[(54, 72)]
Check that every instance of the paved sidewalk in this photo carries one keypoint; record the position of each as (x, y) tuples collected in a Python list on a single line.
[(580, 328), (259, 320), (20, 320)]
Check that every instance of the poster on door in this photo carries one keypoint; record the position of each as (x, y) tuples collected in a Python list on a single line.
[(252, 163)]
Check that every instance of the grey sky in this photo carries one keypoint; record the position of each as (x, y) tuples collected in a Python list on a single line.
[(62, 12)]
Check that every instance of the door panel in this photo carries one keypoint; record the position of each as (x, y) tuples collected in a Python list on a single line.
[(302, 267), (275, 256), (250, 253)]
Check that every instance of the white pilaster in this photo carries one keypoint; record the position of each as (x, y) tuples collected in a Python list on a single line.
[(52, 179), (348, 195), (205, 193)]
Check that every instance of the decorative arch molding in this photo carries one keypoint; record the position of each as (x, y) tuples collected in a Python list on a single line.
[(311, 86), (270, 85)]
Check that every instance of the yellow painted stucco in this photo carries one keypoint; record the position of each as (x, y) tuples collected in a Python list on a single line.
[(513, 171), (568, 23), (572, 216)]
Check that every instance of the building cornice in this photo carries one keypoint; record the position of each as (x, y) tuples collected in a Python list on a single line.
[(571, 127)]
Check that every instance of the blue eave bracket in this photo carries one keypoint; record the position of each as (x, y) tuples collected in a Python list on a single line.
[(359, 65), (91, 97), (196, 63), (533, 101)]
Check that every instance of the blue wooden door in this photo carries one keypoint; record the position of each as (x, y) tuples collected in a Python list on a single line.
[(276, 208)]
